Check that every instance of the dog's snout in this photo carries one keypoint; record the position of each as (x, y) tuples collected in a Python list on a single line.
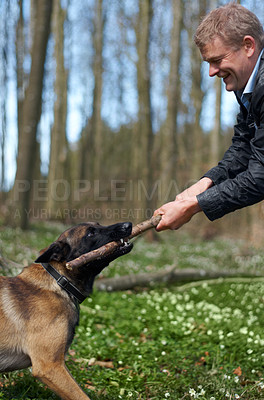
[(121, 230), (127, 226)]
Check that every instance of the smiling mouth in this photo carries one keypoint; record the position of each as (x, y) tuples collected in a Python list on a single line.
[(225, 77)]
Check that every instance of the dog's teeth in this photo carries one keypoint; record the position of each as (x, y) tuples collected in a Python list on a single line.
[(122, 241)]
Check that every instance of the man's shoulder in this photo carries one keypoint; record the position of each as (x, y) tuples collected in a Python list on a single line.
[(258, 92), (257, 101), (260, 75)]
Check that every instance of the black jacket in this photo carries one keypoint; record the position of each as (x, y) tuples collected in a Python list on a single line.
[(239, 177)]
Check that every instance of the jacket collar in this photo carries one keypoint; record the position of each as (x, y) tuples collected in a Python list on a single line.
[(260, 74)]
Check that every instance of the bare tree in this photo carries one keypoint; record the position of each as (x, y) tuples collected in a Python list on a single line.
[(143, 137), (92, 139), (169, 150), (20, 56), (98, 84), (27, 143), (59, 154), (196, 11), (216, 131), (4, 90)]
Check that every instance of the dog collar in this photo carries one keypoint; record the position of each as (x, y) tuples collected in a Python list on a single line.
[(64, 283)]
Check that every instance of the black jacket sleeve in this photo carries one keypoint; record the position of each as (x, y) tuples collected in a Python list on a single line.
[(239, 177)]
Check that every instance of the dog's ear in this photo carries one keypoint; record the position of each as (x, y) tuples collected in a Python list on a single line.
[(57, 251), (43, 251)]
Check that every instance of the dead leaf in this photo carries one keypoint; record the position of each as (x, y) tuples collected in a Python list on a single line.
[(104, 364), (90, 387), (238, 371)]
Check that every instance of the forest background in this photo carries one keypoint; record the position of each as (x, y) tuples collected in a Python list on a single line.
[(107, 112)]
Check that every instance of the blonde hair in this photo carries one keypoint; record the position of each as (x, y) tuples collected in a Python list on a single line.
[(231, 23)]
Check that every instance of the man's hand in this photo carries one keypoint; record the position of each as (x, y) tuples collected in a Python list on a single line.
[(177, 213), (181, 210)]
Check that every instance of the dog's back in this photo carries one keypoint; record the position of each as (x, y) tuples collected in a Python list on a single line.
[(12, 328)]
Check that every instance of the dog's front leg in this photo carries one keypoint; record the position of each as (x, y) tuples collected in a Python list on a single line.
[(57, 378)]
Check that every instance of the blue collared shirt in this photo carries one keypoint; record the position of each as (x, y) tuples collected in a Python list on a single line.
[(244, 96)]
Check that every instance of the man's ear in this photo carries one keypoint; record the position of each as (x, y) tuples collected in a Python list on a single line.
[(57, 251), (249, 45)]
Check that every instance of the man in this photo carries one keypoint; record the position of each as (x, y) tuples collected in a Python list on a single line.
[(231, 40)]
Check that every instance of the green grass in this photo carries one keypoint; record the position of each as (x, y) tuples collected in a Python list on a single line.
[(202, 340)]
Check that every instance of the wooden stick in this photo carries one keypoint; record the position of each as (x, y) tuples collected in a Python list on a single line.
[(111, 246)]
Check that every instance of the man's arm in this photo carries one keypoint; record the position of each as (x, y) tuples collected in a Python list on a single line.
[(181, 210), (247, 186), (236, 158)]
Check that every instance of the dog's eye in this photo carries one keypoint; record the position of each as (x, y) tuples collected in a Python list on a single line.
[(90, 232)]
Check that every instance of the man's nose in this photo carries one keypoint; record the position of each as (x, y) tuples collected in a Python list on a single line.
[(213, 70)]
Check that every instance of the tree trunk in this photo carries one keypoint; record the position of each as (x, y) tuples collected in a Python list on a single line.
[(216, 131), (197, 94), (98, 84), (27, 143), (92, 140), (4, 90), (168, 150), (142, 149), (20, 55), (58, 179)]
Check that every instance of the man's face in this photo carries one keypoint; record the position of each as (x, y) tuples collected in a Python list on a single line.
[(233, 66)]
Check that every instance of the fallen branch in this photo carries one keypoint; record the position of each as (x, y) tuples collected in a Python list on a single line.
[(110, 247), (233, 279), (8, 266), (167, 275)]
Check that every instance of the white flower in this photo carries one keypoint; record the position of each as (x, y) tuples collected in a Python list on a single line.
[(244, 330), (167, 395), (192, 392), (237, 396), (261, 385)]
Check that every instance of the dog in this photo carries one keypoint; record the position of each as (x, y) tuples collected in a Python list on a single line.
[(39, 308)]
